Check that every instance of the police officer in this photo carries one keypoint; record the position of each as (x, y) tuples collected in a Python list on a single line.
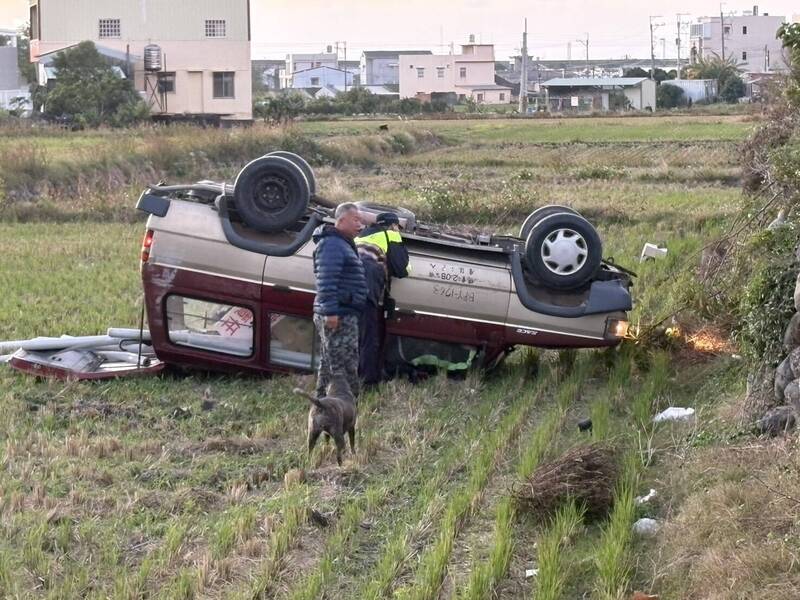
[(384, 256)]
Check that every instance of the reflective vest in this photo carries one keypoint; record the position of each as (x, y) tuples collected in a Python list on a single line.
[(381, 239)]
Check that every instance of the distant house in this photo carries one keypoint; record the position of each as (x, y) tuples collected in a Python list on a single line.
[(749, 39), (382, 67), (197, 53), (323, 77), (585, 94), (12, 85), (303, 62), (466, 75)]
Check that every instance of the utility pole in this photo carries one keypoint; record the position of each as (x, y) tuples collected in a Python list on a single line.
[(722, 29), (523, 77), (652, 46), (585, 44), (678, 42)]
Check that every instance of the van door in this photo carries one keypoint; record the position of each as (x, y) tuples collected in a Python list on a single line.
[(287, 297)]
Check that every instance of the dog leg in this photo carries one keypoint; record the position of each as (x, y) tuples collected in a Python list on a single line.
[(340, 447), (313, 434), (352, 434)]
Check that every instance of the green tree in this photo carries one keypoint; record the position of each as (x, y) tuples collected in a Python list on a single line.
[(26, 68), (789, 34), (636, 72), (89, 92), (280, 108), (714, 68), (732, 89), (669, 96)]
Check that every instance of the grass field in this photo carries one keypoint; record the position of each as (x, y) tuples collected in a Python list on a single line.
[(133, 489)]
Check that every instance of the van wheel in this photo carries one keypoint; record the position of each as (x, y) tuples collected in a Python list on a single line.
[(541, 213), (563, 251), (406, 216), (304, 167), (271, 194)]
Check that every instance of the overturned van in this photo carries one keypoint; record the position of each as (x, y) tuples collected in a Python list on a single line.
[(228, 279)]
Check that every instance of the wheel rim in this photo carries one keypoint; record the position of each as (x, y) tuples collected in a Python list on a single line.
[(272, 194), (564, 251)]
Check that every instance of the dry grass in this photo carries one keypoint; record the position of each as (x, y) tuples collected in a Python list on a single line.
[(586, 474)]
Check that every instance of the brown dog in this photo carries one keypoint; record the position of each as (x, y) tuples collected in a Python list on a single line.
[(334, 414)]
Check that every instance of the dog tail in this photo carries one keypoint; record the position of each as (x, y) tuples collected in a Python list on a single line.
[(311, 397)]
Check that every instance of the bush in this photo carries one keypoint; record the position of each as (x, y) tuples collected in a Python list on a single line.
[(441, 201), (732, 89), (669, 96), (767, 302)]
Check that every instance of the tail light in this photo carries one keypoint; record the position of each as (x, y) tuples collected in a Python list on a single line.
[(616, 328), (147, 242)]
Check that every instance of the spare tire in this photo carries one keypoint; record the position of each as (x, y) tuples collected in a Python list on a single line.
[(541, 213), (563, 251), (271, 193), (407, 218), (304, 167)]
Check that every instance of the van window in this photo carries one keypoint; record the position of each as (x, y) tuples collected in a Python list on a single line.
[(210, 326), (293, 342)]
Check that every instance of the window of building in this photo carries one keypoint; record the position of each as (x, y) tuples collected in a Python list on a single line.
[(440, 72), (420, 72), (166, 83), (223, 84), (744, 29), (480, 97), (315, 81), (744, 55), (727, 29), (462, 72), (109, 28), (502, 97), (210, 326), (34, 15), (293, 342), (215, 28)]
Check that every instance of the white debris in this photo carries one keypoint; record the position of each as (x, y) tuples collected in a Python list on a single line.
[(646, 498), (646, 526), (674, 413), (652, 252), (531, 573)]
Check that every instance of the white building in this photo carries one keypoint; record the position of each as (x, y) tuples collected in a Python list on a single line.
[(12, 85), (204, 48), (748, 38), (466, 75), (382, 67), (696, 90)]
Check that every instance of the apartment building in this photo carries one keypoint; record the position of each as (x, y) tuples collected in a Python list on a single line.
[(748, 38), (201, 49), (14, 91), (469, 74)]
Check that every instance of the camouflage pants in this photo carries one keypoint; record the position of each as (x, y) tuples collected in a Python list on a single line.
[(338, 353)]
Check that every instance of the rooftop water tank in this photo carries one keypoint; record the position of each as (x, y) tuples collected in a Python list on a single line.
[(152, 57)]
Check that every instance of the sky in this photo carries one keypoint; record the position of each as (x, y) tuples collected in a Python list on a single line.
[(615, 28)]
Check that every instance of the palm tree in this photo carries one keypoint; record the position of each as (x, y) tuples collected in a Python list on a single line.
[(714, 68)]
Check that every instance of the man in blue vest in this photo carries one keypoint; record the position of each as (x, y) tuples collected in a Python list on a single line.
[(384, 256), (341, 298)]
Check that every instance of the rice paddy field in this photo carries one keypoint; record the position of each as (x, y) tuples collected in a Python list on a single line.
[(195, 485)]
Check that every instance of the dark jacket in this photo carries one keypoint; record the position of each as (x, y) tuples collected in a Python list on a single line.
[(339, 274)]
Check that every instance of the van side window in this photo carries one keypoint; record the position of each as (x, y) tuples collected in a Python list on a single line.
[(293, 342), (210, 326)]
